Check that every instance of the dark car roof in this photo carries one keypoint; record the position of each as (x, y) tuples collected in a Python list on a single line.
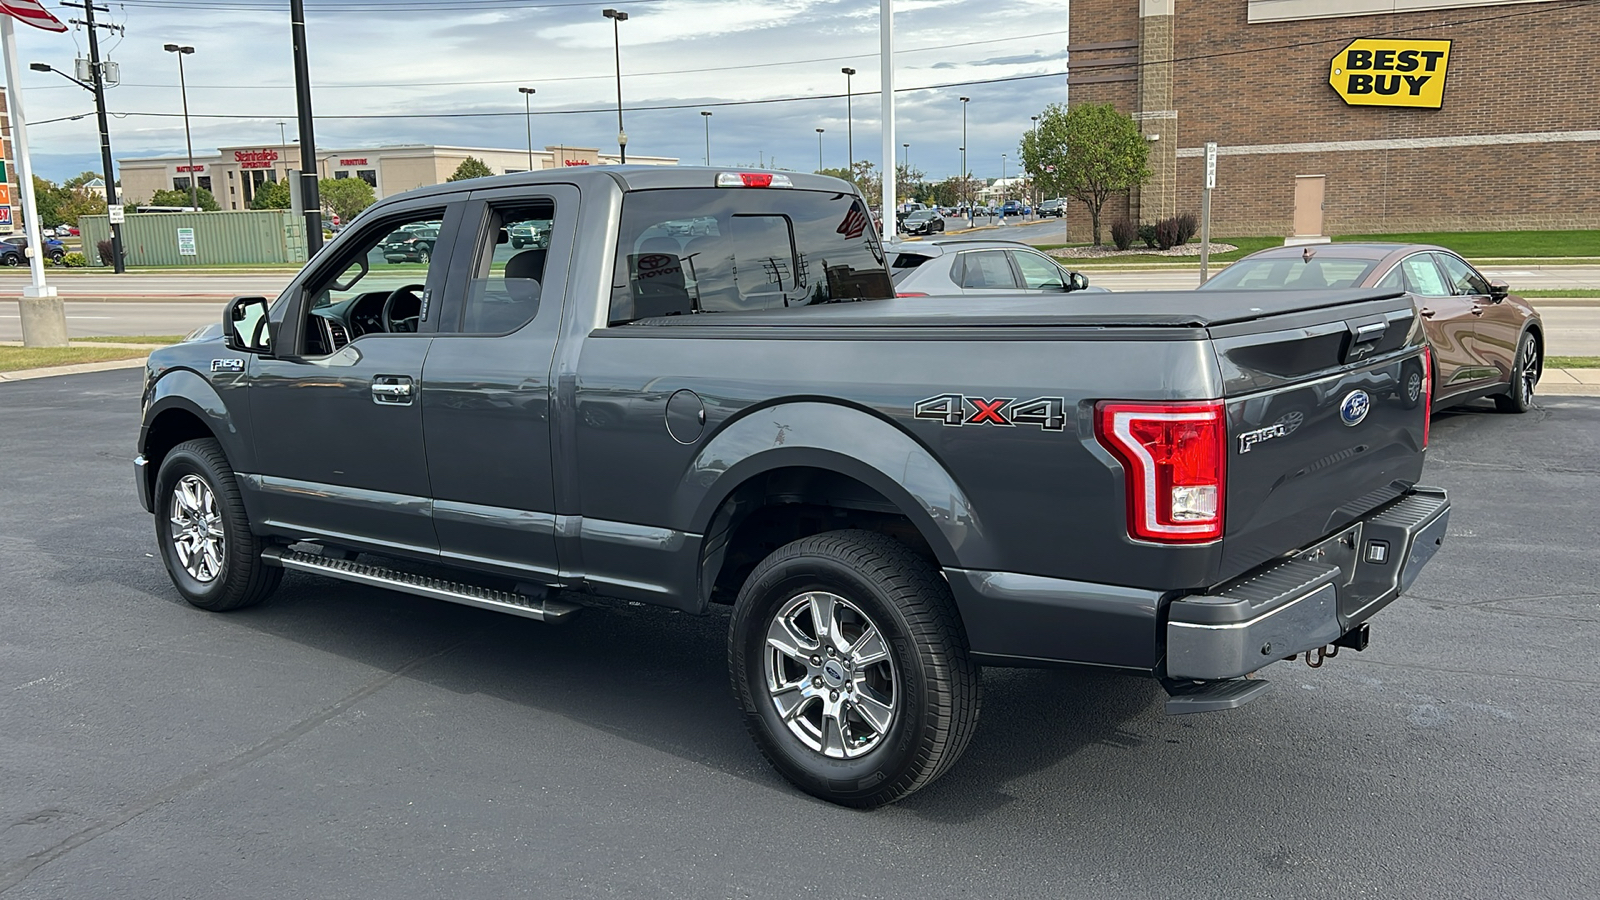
[(1373, 250)]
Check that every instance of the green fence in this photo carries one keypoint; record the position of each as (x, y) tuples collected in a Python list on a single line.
[(201, 239)]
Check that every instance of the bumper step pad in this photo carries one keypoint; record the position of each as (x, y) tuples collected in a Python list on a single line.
[(423, 586), (1211, 696)]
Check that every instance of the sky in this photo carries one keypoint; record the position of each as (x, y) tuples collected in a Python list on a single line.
[(392, 67)]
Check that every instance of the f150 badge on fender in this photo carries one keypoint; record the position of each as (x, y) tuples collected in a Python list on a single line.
[(1049, 413)]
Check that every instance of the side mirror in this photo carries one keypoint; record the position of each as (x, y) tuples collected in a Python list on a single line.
[(1080, 281), (244, 325), (1498, 290)]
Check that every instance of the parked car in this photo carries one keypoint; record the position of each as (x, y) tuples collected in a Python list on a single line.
[(979, 268), (15, 252), (1052, 208), (63, 230), (923, 221), (891, 495), (411, 244), (1013, 208), (1485, 341)]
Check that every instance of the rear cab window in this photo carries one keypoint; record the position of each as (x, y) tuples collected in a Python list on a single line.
[(686, 251)]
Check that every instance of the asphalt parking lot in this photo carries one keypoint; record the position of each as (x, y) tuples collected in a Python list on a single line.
[(348, 742)]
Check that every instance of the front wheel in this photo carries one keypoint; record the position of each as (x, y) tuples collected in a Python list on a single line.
[(204, 535), (849, 659), (1525, 372)]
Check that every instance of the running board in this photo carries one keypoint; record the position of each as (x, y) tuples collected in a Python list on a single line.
[(553, 611)]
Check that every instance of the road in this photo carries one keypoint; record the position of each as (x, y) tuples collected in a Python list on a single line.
[(177, 284), (342, 741)]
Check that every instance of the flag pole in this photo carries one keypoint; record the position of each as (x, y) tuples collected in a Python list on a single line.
[(44, 320)]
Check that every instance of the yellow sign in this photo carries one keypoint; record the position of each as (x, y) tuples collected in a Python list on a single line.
[(1373, 72)]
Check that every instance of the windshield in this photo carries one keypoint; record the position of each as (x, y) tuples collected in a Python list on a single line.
[(922, 214), (1291, 273)]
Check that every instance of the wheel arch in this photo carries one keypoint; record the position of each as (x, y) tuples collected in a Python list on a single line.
[(795, 469), (184, 406)]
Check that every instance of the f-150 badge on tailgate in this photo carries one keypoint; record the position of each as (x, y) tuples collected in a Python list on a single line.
[(956, 410)]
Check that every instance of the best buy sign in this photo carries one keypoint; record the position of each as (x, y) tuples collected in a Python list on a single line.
[(1373, 72)]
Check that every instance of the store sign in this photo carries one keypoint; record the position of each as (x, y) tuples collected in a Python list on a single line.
[(255, 159), (5, 195), (575, 162), (353, 162), (191, 168), (5, 218), (1372, 72)]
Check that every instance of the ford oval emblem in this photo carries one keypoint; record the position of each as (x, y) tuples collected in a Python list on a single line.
[(1354, 407)]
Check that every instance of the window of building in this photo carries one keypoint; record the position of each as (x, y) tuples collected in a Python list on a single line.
[(341, 174), (205, 182), (180, 183), (370, 176)]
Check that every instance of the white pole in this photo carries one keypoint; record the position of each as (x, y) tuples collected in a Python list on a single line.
[(886, 64), (44, 324)]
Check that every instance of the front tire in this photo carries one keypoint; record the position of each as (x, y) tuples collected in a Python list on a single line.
[(1525, 372), (850, 662), (211, 555)]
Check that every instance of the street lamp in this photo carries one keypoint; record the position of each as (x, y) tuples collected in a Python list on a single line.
[(183, 86), (527, 117), (1032, 181), (1002, 188), (97, 88), (617, 17), (849, 122), (706, 114), (964, 102), (819, 149)]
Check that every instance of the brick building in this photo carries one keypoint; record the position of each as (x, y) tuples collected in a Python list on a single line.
[(1514, 143)]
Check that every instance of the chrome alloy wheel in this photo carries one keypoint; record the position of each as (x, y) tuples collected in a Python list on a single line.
[(196, 529), (830, 675)]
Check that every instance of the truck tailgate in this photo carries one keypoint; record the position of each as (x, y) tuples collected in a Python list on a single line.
[(1326, 417)]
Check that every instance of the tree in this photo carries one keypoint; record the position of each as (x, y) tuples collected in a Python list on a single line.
[(1089, 153), (908, 182), (49, 196), (271, 195), (863, 175), (79, 201), (207, 202), (80, 179), (346, 196), (471, 167)]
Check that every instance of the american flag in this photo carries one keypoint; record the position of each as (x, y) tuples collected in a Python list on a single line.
[(33, 13)]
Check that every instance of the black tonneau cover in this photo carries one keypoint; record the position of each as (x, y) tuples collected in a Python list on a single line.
[(1176, 309)]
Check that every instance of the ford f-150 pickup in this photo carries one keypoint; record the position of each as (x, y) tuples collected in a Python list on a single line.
[(695, 388)]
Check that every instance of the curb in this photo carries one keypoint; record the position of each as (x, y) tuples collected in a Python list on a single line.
[(76, 369)]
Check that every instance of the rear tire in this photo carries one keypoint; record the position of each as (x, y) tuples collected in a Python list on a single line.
[(211, 555), (876, 703), (1525, 372)]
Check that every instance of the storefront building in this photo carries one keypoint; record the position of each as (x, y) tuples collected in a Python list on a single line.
[(233, 174), (1353, 116)]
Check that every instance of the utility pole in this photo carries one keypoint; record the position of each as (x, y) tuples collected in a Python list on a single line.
[(98, 84), (308, 144)]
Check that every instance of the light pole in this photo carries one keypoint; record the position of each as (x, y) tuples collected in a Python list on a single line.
[(819, 149), (97, 88), (283, 139), (1002, 188), (617, 18), (964, 102), (849, 122), (527, 117), (1032, 182), (706, 114), (905, 165), (183, 87)]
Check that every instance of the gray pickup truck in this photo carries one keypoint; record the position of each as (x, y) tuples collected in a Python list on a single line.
[(686, 391)]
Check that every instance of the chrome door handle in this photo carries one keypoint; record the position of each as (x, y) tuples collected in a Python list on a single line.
[(1427, 313), (394, 389)]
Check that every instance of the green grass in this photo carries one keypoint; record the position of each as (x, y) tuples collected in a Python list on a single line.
[(1572, 362), (1569, 292), (13, 359), (1497, 244), (133, 339), (1246, 245)]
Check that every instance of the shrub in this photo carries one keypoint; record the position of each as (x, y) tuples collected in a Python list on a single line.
[(74, 260), (1188, 227), (1167, 234), (1147, 233), (104, 248), (1123, 232)]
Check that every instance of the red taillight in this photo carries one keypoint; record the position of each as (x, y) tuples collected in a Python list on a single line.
[(910, 294), (1427, 393), (753, 179), (1175, 456)]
